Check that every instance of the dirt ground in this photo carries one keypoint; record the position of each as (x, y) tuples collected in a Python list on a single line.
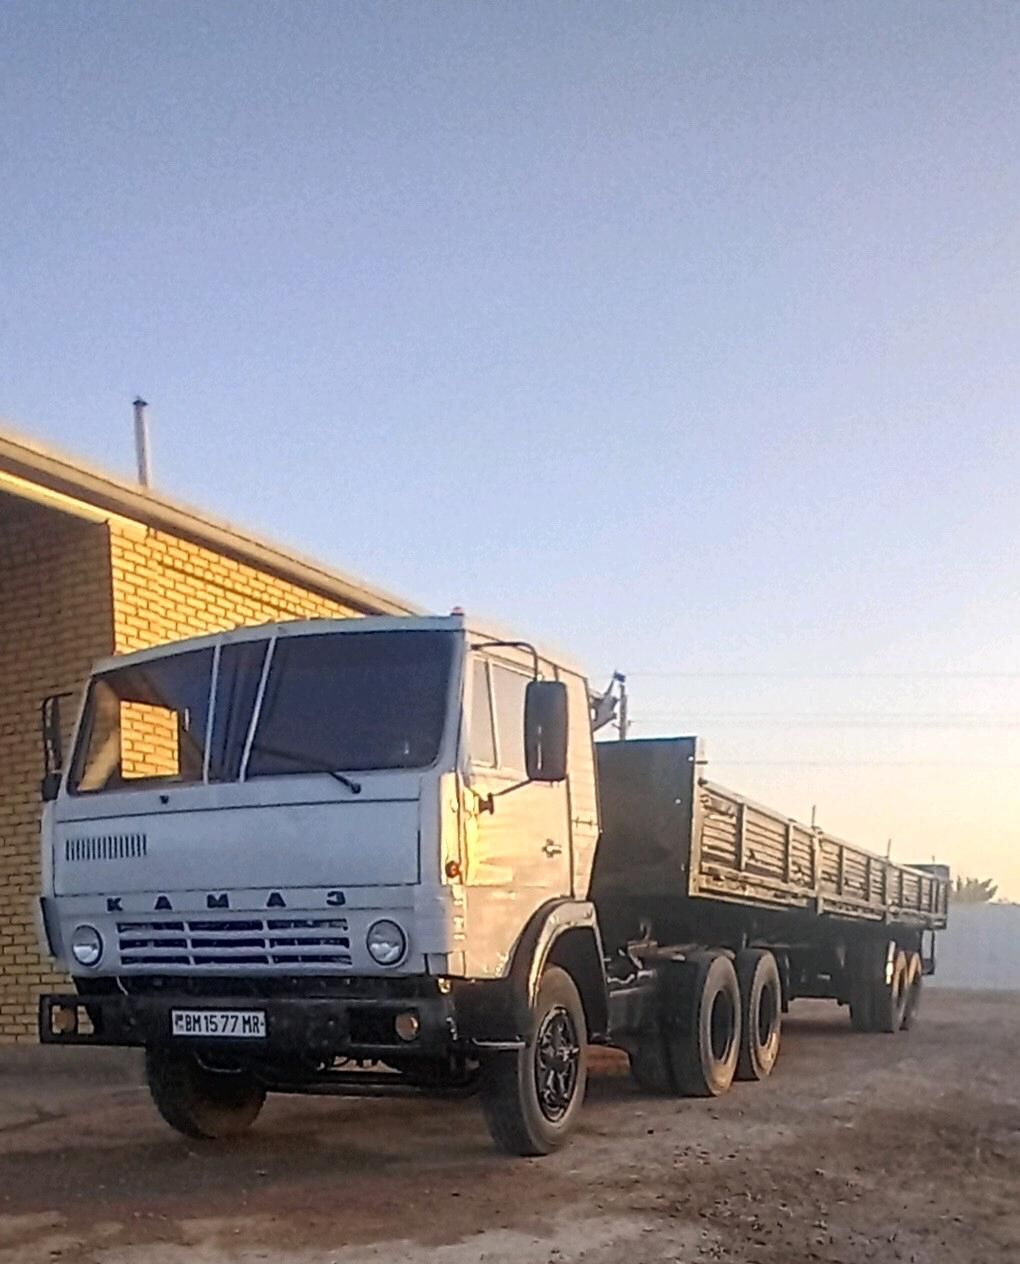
[(860, 1148)]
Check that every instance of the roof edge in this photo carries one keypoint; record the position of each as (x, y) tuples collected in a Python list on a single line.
[(53, 470)]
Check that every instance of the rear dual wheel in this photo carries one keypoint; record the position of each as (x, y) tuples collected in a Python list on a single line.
[(885, 987), (761, 1000), (714, 1022), (706, 1053)]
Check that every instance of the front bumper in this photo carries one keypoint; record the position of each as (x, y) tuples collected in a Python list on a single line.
[(320, 1027)]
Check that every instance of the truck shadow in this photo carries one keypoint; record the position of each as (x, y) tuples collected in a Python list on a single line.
[(323, 1172)]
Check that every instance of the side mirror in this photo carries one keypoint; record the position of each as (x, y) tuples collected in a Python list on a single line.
[(53, 746), (545, 730)]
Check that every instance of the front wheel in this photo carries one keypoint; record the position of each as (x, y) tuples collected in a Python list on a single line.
[(201, 1103), (531, 1097)]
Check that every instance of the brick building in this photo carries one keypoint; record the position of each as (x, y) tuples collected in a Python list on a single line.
[(90, 566)]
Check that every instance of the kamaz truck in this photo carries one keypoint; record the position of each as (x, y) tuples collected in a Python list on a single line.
[(385, 855)]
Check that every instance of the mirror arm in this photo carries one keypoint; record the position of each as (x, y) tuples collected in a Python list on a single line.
[(526, 646), (510, 789), (487, 802)]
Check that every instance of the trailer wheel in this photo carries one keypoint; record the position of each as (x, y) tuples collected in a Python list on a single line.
[(200, 1103), (912, 985), (531, 1097), (889, 995), (705, 1062), (761, 1009)]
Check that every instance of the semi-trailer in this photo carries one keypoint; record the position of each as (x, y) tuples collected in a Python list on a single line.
[(386, 855)]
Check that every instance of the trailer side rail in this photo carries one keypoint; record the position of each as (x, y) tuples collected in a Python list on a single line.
[(749, 853)]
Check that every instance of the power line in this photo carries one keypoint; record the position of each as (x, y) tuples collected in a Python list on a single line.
[(829, 675), (857, 763), (1009, 717), (849, 724)]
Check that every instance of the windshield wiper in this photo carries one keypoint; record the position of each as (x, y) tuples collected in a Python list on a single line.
[(311, 765)]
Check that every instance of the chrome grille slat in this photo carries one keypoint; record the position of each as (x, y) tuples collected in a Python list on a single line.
[(269, 942)]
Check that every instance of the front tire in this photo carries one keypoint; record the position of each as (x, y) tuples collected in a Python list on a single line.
[(531, 1097), (202, 1104)]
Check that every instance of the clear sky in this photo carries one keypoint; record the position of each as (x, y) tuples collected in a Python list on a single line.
[(684, 335)]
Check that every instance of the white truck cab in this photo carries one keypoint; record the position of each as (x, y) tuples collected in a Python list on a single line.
[(275, 847)]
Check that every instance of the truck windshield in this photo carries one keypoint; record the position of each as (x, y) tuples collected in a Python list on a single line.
[(352, 701), (145, 723)]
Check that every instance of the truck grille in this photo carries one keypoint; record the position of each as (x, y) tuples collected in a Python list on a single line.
[(284, 942), (87, 847)]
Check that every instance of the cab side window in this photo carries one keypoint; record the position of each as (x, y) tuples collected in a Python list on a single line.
[(481, 735), (508, 688)]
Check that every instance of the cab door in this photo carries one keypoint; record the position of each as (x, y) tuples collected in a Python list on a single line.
[(517, 841)]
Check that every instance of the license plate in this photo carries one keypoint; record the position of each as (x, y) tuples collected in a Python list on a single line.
[(235, 1024)]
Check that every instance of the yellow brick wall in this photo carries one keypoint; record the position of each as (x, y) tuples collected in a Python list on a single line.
[(165, 589), (149, 741), (56, 618), (71, 592)]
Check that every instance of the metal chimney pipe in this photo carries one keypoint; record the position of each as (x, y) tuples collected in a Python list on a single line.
[(142, 455)]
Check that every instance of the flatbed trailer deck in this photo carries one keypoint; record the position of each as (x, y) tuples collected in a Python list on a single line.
[(669, 831)]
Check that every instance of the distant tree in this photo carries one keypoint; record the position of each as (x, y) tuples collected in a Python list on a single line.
[(974, 890)]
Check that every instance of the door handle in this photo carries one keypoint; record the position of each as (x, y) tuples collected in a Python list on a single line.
[(552, 848)]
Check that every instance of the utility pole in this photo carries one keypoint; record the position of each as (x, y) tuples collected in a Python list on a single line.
[(623, 723)]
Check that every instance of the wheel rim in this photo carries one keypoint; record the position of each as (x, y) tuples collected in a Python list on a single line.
[(722, 1026), (915, 980), (557, 1063), (768, 1012), (899, 989)]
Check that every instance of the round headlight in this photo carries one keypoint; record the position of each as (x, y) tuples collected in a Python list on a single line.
[(386, 943), (87, 946)]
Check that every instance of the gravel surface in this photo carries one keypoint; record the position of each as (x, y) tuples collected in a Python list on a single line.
[(860, 1148)]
